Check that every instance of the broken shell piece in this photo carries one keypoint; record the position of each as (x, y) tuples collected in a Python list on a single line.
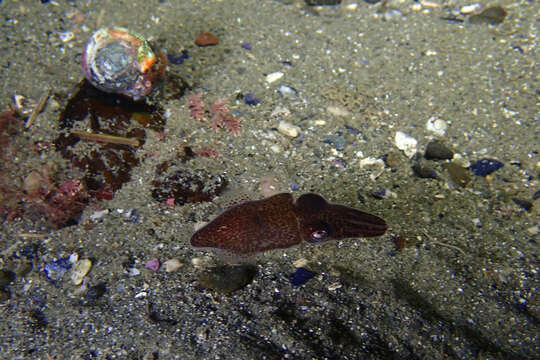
[(270, 78), (172, 265), (288, 129), (80, 269), (23, 105), (374, 166), (406, 143)]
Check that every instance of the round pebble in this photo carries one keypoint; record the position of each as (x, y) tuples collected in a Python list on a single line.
[(206, 39), (437, 150)]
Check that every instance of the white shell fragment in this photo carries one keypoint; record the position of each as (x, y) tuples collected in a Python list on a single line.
[(270, 78), (436, 126), (288, 129), (469, 9), (373, 165), (172, 265), (79, 270), (406, 143)]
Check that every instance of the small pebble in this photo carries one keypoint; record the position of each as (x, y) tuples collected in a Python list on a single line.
[(172, 265), (206, 39), (458, 174), (424, 170), (406, 143), (437, 150), (287, 91), (485, 167), (152, 264), (80, 269), (270, 78), (288, 129), (524, 204)]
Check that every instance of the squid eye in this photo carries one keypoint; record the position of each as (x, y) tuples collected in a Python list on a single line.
[(318, 235)]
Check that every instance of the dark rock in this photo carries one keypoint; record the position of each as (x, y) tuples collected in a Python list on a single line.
[(524, 204), (228, 278), (6, 277), (458, 174), (485, 167), (424, 170), (437, 150)]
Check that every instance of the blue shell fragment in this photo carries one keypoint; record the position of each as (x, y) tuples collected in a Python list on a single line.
[(485, 167), (250, 99), (56, 269), (300, 276)]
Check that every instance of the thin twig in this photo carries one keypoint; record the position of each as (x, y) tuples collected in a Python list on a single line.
[(106, 138), (38, 108), (443, 244)]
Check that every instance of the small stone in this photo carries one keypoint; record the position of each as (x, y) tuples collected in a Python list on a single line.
[(392, 160), (206, 39), (287, 91), (270, 78), (524, 204), (80, 270), (459, 175), (152, 264), (406, 143), (424, 170), (302, 262), (228, 278), (288, 129), (172, 265), (437, 150)]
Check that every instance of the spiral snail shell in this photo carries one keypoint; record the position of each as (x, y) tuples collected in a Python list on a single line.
[(117, 60)]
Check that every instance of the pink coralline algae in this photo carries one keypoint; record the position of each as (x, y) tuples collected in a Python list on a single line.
[(218, 111)]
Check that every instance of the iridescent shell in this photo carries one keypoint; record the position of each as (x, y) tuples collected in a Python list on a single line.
[(117, 60)]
